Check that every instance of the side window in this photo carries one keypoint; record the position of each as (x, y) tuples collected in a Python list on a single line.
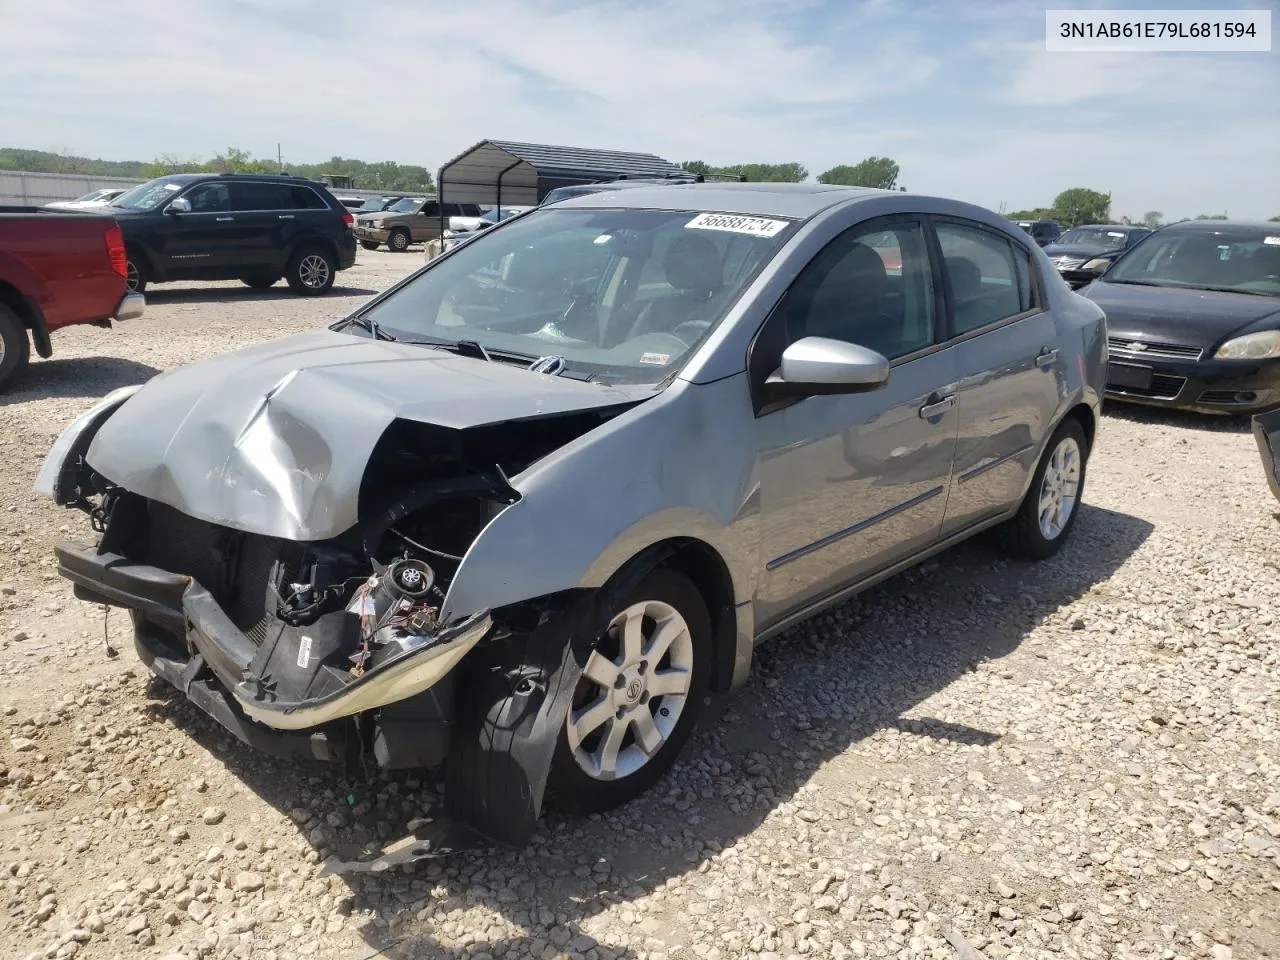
[(871, 286), (258, 196), (304, 198), (990, 277), (431, 208), (209, 198)]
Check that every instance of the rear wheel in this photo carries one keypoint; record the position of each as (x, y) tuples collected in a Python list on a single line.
[(15, 346), (638, 698), (369, 244), (398, 240), (311, 272), (1048, 513), (135, 273), (259, 282)]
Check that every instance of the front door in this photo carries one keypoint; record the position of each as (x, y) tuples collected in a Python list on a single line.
[(1011, 373), (193, 244), (851, 484)]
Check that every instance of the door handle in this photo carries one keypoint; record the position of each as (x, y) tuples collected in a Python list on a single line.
[(224, 219), (1046, 357), (938, 407), (286, 216)]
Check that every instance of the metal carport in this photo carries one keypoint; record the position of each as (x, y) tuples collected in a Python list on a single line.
[(498, 172)]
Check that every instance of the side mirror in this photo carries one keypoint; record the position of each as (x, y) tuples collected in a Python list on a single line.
[(818, 365), (178, 205)]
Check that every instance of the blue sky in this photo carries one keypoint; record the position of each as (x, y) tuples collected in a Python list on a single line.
[(963, 95)]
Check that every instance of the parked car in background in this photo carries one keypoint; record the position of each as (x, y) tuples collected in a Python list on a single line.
[(57, 270), (1193, 316), (520, 512), (95, 198), (451, 238), (351, 203), (1041, 231), (622, 183), (410, 220), (1083, 254), (375, 204), (255, 228)]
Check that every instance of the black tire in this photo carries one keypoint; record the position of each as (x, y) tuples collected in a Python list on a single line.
[(398, 240), (1026, 538), (15, 346), (137, 274), (576, 789), (260, 282), (369, 244), (311, 271)]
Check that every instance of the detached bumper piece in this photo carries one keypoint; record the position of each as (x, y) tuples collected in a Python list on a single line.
[(1266, 430), (186, 638)]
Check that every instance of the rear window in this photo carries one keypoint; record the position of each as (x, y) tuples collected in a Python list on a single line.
[(304, 198)]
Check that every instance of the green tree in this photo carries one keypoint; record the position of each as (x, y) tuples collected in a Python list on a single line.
[(763, 172), (1079, 205), (878, 172), (1039, 213), (1152, 219), (1211, 216), (1274, 220), (696, 166)]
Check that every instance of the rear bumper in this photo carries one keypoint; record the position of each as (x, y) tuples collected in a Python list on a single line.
[(182, 608), (131, 307), (1206, 386), (1266, 430)]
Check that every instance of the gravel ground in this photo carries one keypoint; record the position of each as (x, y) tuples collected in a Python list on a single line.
[(978, 759)]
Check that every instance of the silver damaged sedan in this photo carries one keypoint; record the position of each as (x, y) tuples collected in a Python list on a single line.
[(521, 513)]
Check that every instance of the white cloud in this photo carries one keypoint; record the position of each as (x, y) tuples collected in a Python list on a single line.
[(753, 80)]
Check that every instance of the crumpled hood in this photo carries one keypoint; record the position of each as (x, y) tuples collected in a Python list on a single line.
[(274, 439), (1200, 318)]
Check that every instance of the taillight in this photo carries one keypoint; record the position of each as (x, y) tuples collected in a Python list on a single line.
[(115, 250), (347, 218)]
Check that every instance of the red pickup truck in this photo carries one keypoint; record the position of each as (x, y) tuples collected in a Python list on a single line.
[(57, 269)]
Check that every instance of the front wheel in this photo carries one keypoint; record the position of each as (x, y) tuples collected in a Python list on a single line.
[(311, 272), (1048, 512), (638, 698), (398, 240)]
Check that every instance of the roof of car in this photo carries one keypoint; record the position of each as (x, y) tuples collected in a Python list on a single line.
[(1271, 227), (794, 200), (1109, 226)]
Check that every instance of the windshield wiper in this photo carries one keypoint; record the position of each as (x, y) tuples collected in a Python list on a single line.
[(1252, 293), (371, 325), (1144, 283)]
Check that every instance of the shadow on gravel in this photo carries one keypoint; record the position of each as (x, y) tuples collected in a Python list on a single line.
[(280, 291), (1207, 422), (815, 692), (75, 377)]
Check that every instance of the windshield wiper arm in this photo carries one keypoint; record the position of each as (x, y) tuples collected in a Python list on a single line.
[(368, 323), (473, 348)]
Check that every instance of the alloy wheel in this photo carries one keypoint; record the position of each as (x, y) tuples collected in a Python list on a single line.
[(632, 692), (1059, 488), (313, 271), (131, 275)]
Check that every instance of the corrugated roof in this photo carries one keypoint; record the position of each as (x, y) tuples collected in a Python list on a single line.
[(508, 172), (614, 162)]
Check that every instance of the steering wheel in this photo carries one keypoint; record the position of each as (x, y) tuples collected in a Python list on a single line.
[(693, 330)]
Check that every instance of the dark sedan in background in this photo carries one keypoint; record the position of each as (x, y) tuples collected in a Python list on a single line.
[(1084, 253), (1193, 318)]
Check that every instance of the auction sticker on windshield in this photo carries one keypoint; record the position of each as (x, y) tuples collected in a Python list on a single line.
[(754, 226)]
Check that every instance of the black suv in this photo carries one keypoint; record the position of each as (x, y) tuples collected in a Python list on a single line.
[(255, 228), (1042, 231)]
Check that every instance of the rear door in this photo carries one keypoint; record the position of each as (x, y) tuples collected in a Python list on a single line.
[(263, 217), (304, 214), (1011, 373)]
